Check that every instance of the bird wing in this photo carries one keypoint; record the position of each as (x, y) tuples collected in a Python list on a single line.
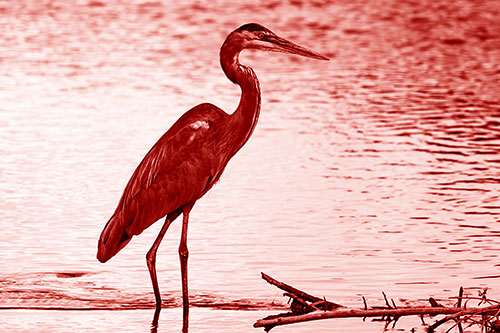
[(178, 169)]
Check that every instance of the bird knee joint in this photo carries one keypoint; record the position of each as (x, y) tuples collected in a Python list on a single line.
[(151, 257), (183, 252)]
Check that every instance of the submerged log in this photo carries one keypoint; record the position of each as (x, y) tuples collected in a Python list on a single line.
[(316, 308)]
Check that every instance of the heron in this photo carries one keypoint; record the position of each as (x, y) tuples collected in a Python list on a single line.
[(190, 157)]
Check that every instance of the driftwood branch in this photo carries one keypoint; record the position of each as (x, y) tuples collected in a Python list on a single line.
[(319, 303), (306, 307)]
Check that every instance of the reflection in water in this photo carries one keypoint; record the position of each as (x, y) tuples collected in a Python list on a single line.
[(154, 322), (156, 317), (376, 171)]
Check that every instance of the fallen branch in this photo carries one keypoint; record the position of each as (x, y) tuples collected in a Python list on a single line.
[(315, 308), (319, 303)]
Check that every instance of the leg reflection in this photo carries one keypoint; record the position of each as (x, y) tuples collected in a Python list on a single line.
[(185, 320), (156, 317)]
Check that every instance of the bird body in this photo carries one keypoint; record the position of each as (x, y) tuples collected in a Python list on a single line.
[(191, 156), (179, 169)]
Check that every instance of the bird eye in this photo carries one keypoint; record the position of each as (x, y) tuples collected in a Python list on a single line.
[(260, 35)]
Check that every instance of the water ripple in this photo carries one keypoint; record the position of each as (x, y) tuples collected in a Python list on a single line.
[(53, 291)]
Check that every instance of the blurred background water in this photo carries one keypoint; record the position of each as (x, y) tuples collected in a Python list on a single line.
[(376, 171)]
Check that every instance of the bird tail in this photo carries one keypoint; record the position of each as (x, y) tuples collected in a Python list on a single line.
[(113, 239)]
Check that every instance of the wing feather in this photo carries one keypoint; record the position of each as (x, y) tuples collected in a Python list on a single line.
[(177, 170)]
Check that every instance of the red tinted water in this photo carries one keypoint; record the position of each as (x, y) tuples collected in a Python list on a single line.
[(377, 171)]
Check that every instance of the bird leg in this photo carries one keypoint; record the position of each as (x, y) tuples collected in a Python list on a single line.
[(151, 256), (183, 257)]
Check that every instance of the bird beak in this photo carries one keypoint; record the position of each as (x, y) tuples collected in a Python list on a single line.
[(285, 46)]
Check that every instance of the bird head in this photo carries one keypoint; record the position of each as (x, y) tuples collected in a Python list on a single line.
[(255, 36)]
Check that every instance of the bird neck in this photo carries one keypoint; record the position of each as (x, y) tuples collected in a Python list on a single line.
[(246, 115)]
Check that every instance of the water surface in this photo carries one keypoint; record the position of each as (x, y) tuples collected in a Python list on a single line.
[(375, 171)]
